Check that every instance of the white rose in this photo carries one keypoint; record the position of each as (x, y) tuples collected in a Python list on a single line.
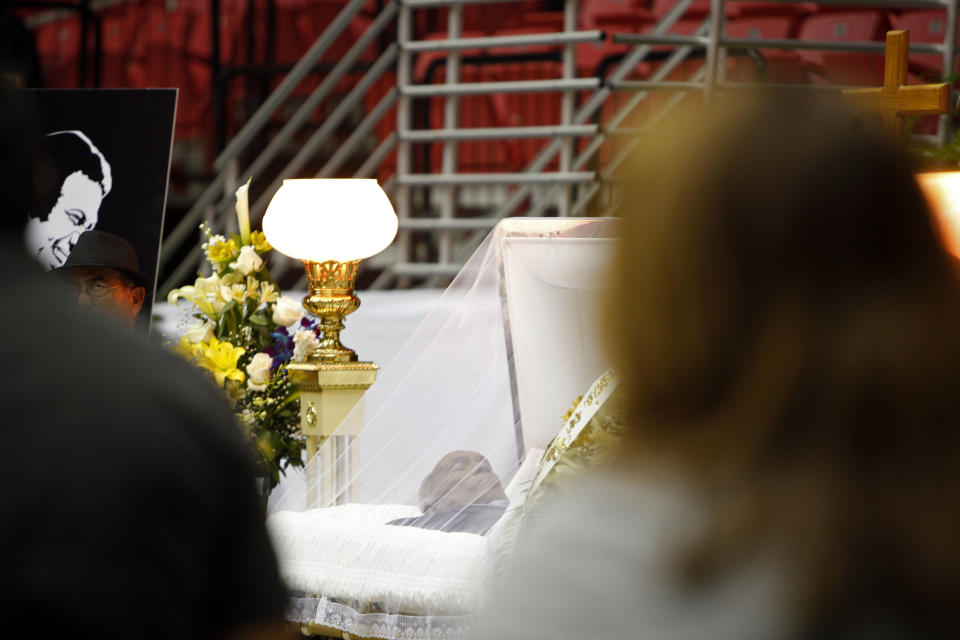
[(304, 342), (248, 261), (286, 311), (199, 332), (259, 371)]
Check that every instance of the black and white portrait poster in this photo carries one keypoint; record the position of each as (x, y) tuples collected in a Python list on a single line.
[(111, 148)]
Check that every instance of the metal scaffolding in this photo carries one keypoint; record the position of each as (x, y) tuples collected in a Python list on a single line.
[(445, 210)]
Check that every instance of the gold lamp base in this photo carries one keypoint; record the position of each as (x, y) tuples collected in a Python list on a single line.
[(330, 298), (331, 381)]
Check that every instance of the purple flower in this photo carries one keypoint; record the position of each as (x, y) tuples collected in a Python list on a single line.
[(282, 348)]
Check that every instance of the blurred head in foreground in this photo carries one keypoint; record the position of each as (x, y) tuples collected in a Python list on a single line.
[(789, 328)]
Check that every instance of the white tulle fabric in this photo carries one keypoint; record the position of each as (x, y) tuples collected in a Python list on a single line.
[(492, 369)]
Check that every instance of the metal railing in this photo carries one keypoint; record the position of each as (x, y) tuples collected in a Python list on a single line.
[(428, 203)]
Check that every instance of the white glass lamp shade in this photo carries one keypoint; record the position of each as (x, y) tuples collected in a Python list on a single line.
[(330, 219)]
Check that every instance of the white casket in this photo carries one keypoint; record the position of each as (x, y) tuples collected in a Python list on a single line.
[(492, 369)]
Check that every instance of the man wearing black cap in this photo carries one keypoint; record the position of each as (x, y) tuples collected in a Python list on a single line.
[(104, 273)]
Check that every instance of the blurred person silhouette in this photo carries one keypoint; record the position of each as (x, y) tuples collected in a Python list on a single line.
[(126, 490), (19, 62), (788, 327)]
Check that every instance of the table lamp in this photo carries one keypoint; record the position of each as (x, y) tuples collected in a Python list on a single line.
[(330, 225), (942, 190)]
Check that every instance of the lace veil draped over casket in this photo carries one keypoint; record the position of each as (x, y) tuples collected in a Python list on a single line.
[(490, 372)]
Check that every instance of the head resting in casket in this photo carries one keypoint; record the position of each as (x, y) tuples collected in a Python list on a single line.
[(461, 478), (462, 493)]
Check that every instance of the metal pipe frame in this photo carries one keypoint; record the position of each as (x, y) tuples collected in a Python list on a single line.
[(595, 101), (290, 82), (713, 48), (373, 161), (386, 59), (460, 224), (401, 193), (571, 9), (493, 42), (499, 133), (593, 189), (574, 124), (451, 120), (211, 195), (949, 47), (646, 85), (302, 115), (188, 224), (770, 43), (439, 179), (514, 86), (595, 143), (358, 135)]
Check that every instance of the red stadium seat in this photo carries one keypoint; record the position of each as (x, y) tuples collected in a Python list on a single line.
[(698, 8), (491, 18), (118, 33), (58, 45), (849, 26), (924, 26), (754, 9), (775, 27), (594, 12), (778, 66)]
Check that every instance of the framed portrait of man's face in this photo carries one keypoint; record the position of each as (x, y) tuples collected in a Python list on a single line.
[(100, 227)]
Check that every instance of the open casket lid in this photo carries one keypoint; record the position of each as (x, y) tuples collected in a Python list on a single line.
[(552, 272), (492, 368)]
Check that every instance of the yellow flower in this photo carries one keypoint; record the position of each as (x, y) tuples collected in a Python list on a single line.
[(220, 250), (220, 359), (268, 293), (231, 279), (253, 288), (234, 292), (187, 349), (259, 242), (205, 294)]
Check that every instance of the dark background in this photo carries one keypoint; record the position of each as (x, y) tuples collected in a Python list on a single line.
[(133, 128)]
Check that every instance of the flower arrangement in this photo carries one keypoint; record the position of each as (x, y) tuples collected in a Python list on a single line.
[(245, 336)]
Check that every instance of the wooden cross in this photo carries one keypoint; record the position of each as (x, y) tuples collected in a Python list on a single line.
[(895, 99)]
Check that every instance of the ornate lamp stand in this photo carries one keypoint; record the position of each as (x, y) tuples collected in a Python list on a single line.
[(331, 381), (313, 221)]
